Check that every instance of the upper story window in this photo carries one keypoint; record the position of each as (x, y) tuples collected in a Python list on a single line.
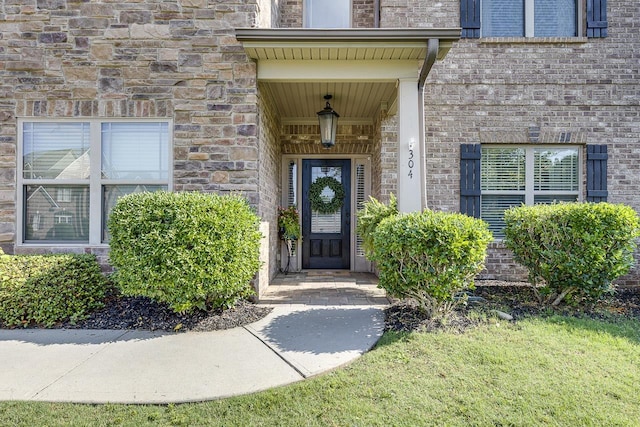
[(327, 13), (529, 18), (73, 172), (533, 18)]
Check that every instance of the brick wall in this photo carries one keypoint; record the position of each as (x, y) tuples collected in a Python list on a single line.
[(363, 14), (291, 14), (165, 59), (496, 90), (388, 158), (384, 159), (376, 164), (305, 139), (419, 14)]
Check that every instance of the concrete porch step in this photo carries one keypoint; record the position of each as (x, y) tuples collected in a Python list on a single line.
[(325, 287)]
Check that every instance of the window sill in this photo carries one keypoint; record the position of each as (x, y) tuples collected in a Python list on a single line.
[(533, 40), (29, 247)]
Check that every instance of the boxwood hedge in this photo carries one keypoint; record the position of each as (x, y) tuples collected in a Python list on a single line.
[(371, 214), (429, 256), (575, 250), (47, 289), (189, 250)]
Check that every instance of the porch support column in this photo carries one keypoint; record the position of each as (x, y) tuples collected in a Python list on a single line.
[(410, 173)]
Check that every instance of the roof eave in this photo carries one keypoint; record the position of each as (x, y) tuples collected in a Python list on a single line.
[(385, 35)]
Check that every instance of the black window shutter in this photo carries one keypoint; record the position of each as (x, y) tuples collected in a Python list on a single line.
[(596, 18), (470, 179), (597, 173), (470, 18)]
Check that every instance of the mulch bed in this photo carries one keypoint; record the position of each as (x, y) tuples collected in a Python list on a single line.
[(518, 300), (146, 314), (141, 313)]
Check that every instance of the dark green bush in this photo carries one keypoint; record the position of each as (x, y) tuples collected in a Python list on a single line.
[(47, 289), (372, 213), (189, 250), (429, 256), (575, 249)]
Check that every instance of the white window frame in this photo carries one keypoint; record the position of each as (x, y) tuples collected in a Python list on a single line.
[(63, 195), (530, 192), (96, 183), (307, 14), (529, 18)]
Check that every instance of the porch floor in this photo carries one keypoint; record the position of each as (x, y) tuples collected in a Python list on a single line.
[(325, 287)]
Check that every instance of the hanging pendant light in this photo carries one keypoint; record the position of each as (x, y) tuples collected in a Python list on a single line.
[(328, 120)]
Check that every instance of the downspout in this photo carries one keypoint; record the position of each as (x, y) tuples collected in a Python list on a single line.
[(376, 14), (433, 46)]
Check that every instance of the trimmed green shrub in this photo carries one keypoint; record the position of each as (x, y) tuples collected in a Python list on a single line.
[(371, 214), (430, 256), (47, 289), (575, 249), (189, 250)]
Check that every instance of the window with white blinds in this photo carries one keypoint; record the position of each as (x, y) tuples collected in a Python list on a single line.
[(556, 169), (502, 169), (529, 18), (512, 176), (292, 191), (326, 222), (135, 151), (327, 13), (360, 200), (68, 190)]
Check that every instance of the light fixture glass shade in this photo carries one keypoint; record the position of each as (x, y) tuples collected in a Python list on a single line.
[(328, 120)]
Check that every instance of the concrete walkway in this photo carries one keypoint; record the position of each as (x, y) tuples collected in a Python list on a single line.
[(295, 341)]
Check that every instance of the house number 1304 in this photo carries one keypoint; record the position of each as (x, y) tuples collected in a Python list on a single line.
[(410, 163)]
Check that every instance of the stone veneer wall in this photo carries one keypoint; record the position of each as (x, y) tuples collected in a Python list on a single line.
[(362, 14), (269, 187), (163, 59), (534, 91)]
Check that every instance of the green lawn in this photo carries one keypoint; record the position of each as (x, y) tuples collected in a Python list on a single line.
[(556, 371)]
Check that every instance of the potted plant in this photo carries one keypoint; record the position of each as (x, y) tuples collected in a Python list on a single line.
[(289, 223), (289, 226)]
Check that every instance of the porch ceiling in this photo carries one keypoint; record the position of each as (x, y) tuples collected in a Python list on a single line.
[(356, 102), (359, 67)]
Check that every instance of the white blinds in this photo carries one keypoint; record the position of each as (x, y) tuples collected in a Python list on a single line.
[(327, 13), (556, 169), (292, 179), (55, 150), (360, 199), (503, 169), (135, 151), (555, 18), (492, 209)]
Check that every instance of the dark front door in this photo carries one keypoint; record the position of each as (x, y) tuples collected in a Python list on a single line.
[(326, 218)]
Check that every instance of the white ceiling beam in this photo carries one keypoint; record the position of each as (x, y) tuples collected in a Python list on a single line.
[(311, 70)]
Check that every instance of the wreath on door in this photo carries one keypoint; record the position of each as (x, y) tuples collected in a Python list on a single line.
[(320, 204)]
